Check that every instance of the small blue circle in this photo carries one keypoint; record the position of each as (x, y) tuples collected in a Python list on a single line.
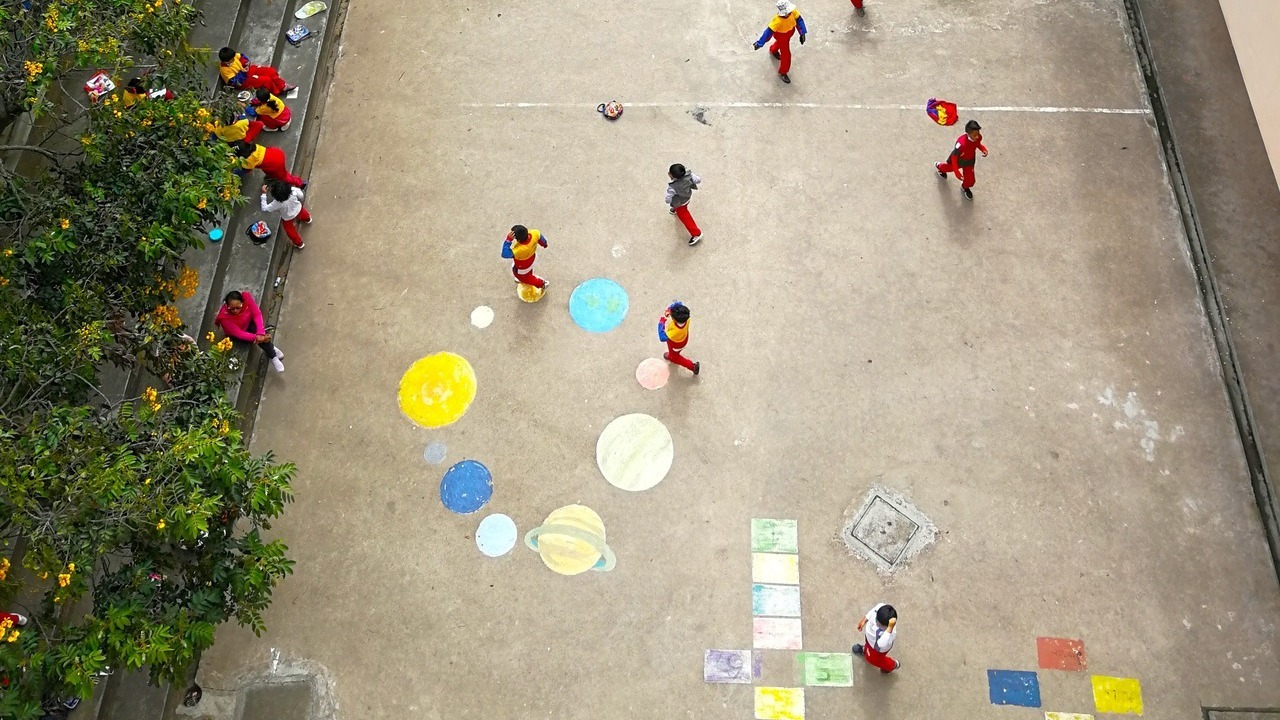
[(466, 487), (215, 234), (496, 535), (598, 305)]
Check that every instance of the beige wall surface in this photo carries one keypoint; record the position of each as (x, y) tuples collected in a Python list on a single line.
[(1254, 25)]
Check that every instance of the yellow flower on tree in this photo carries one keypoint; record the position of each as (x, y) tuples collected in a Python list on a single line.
[(33, 69), (202, 204), (13, 636), (210, 337), (160, 525), (4, 569), (64, 579), (64, 223), (224, 344), (71, 567)]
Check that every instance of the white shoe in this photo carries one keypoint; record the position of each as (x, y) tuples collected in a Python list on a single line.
[(22, 620), (279, 353), (275, 363)]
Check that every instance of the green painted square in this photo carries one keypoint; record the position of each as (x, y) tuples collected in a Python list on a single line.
[(774, 536), (826, 669)]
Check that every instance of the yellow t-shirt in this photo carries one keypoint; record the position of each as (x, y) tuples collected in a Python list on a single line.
[(675, 333), (255, 159), (783, 24), (265, 108), (524, 251), (233, 132)]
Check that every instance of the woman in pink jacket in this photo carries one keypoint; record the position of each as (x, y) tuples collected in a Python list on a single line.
[(241, 319)]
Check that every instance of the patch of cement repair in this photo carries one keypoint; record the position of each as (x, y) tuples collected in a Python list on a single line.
[(1135, 419), (887, 531), (286, 689)]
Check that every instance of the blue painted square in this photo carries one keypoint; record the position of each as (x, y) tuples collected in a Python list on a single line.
[(1014, 687)]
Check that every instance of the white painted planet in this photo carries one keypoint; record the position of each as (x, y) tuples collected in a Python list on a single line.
[(482, 317), (496, 535), (635, 452)]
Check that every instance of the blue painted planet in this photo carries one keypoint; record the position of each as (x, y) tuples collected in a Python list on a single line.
[(496, 535), (466, 487), (598, 305)]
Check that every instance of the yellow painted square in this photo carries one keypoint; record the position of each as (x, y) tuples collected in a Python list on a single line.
[(1066, 716), (775, 568), (1117, 695), (774, 703)]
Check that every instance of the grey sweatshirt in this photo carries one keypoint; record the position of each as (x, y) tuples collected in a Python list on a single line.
[(680, 191)]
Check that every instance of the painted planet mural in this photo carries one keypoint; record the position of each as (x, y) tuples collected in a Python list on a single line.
[(635, 452), (571, 541), (529, 293), (496, 535), (437, 390), (653, 373), (598, 305), (466, 487)]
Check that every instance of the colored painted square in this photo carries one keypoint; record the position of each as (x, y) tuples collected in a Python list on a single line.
[(826, 669), (775, 569), (776, 633), (1117, 695), (727, 666), (774, 536), (1060, 653), (1014, 687), (775, 600), (779, 703), (1066, 716)]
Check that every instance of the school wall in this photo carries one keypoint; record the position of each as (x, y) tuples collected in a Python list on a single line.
[(1254, 25)]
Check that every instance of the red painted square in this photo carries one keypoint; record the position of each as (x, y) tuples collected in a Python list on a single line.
[(1060, 653)]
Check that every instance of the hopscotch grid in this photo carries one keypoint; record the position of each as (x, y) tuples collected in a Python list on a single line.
[(815, 106)]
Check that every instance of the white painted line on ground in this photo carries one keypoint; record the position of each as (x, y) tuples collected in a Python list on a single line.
[(822, 106)]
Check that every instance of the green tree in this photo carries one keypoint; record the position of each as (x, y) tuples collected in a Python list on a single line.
[(142, 519)]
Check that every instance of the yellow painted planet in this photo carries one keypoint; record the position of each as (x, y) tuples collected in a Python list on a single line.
[(529, 293), (437, 390), (571, 541)]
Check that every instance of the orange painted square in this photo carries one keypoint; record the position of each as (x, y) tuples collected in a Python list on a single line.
[(1060, 653)]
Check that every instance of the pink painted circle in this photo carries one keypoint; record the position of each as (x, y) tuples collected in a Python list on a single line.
[(653, 373)]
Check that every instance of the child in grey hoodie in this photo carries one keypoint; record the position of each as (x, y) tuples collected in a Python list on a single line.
[(679, 193)]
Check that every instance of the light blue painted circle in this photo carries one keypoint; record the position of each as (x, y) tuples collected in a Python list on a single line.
[(466, 487), (215, 234), (434, 452), (496, 535), (598, 305)]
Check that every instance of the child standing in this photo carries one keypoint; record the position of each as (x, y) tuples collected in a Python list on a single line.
[(877, 629), (251, 156), (280, 197), (679, 193), (673, 329), (963, 157), (271, 111), (521, 248), (237, 72), (780, 28)]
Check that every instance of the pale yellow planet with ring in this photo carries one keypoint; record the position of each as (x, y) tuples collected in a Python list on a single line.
[(571, 541)]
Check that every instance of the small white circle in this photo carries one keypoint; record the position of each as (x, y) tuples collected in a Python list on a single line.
[(482, 316)]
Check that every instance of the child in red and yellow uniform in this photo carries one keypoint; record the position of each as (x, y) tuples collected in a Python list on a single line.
[(136, 91), (236, 72), (241, 128), (271, 111), (521, 248), (963, 157), (272, 162), (780, 29), (676, 335)]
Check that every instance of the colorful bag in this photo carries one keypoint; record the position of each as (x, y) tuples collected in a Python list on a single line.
[(258, 233), (611, 110), (942, 112)]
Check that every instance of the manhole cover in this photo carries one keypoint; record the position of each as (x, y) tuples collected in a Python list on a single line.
[(887, 530)]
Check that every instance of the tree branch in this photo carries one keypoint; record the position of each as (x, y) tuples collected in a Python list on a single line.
[(33, 148)]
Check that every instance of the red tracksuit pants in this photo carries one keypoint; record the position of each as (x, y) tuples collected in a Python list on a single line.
[(291, 226), (277, 122), (878, 659), (686, 217), (527, 277), (965, 174), (673, 355), (263, 76), (782, 47), (273, 166), (857, 4)]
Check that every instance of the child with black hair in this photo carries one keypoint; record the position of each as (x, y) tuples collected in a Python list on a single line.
[(272, 162), (963, 157), (270, 111), (673, 329), (679, 193), (236, 71), (282, 198), (135, 91), (878, 631), (521, 248), (234, 127)]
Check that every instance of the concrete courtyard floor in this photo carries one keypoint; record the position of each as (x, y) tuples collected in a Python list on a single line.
[(1032, 370)]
